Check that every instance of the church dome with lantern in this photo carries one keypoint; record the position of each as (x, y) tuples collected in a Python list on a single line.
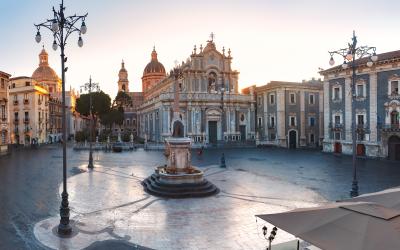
[(44, 73), (154, 66)]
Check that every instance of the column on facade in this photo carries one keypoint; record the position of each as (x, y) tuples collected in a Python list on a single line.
[(373, 95), (280, 119), (252, 117), (321, 123), (327, 111), (302, 119), (189, 119), (203, 120), (265, 116), (169, 120), (348, 110)]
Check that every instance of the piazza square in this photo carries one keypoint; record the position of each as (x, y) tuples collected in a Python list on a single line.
[(199, 125)]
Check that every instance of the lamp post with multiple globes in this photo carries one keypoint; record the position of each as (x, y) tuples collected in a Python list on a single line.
[(351, 56), (90, 87), (62, 27)]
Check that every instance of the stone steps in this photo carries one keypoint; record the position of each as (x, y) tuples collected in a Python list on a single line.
[(153, 186)]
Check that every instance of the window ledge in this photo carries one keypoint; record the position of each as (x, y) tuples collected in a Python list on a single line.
[(337, 100), (360, 98), (394, 96)]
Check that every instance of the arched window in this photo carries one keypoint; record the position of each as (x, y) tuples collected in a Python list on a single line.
[(123, 87)]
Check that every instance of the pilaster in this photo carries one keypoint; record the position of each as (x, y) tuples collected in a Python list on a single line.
[(347, 105), (373, 95), (302, 120)]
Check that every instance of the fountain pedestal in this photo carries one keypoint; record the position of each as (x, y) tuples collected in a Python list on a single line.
[(178, 178)]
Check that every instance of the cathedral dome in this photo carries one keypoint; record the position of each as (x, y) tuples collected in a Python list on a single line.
[(154, 66), (44, 72)]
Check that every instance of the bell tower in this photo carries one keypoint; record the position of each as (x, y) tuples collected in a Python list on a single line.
[(123, 83)]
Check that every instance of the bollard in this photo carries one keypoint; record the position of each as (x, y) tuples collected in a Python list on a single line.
[(223, 165)]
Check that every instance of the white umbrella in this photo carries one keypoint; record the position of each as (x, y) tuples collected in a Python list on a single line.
[(343, 225)]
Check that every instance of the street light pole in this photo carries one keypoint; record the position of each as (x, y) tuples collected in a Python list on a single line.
[(222, 113), (350, 55), (90, 86), (61, 27)]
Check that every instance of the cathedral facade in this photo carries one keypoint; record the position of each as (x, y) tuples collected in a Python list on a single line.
[(211, 108)]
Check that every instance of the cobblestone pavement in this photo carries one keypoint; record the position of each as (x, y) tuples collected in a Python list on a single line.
[(109, 203)]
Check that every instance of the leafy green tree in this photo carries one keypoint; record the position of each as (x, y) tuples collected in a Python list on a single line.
[(115, 116), (101, 104), (122, 99)]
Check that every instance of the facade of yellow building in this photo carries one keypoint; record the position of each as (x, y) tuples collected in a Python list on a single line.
[(4, 114), (29, 111)]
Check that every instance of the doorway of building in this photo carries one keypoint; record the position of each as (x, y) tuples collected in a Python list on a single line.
[(242, 129), (360, 150), (394, 148), (338, 148), (292, 139), (212, 132)]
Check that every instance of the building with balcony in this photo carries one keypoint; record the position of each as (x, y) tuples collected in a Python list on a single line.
[(377, 107), (290, 114), (211, 107), (28, 109), (4, 113)]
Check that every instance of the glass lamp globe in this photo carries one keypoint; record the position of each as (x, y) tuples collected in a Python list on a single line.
[(54, 26), (374, 57), (344, 65), (349, 56), (331, 61), (55, 45), (38, 37), (80, 42), (83, 28), (370, 63)]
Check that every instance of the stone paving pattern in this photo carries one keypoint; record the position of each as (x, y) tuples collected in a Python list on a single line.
[(111, 199)]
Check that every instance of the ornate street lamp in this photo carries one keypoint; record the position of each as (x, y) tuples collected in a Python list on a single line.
[(90, 87), (62, 27), (271, 235), (350, 55)]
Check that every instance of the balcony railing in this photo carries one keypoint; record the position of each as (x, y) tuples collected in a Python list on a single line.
[(271, 126), (26, 130), (16, 120), (15, 102), (26, 101), (26, 120), (3, 119), (391, 127), (336, 126)]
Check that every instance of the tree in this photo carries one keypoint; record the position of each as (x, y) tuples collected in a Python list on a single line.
[(115, 116), (101, 104), (122, 99)]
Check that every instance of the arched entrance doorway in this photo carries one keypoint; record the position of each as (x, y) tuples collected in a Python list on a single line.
[(292, 139), (360, 150), (394, 148)]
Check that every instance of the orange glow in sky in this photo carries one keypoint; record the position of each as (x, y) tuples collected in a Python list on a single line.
[(270, 40)]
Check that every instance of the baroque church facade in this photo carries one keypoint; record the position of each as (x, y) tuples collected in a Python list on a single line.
[(211, 108)]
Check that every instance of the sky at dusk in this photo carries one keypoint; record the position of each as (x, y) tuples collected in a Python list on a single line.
[(270, 40)]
